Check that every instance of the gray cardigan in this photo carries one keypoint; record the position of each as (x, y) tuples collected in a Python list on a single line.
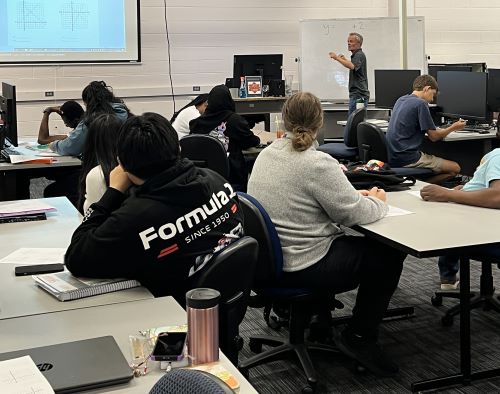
[(307, 195)]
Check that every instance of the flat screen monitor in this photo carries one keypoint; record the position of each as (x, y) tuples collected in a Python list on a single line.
[(435, 68), (475, 67), (8, 114), (463, 94), (83, 31), (391, 85), (494, 89), (268, 66)]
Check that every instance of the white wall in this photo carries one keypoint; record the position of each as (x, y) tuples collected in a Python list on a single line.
[(205, 35)]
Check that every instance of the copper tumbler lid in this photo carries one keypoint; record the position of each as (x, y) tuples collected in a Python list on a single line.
[(202, 298)]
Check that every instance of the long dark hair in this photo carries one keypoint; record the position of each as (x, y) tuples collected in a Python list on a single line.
[(196, 101), (100, 148), (98, 98)]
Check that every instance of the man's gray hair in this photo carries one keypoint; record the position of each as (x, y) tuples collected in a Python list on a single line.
[(358, 36)]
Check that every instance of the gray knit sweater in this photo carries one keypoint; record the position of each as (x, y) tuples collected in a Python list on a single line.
[(307, 195)]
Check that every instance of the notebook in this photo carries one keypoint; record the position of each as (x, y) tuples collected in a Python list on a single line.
[(66, 287), (82, 365)]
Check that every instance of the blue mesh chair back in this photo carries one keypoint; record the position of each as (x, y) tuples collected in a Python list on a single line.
[(258, 225), (190, 381)]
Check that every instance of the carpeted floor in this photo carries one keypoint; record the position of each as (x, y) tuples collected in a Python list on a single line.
[(422, 347)]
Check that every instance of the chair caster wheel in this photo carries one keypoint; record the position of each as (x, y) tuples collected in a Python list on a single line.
[(447, 321), (437, 300), (308, 390), (255, 346)]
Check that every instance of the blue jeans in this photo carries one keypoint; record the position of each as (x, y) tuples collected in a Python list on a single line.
[(353, 101), (449, 265)]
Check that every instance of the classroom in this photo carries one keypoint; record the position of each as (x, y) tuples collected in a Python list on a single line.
[(174, 51)]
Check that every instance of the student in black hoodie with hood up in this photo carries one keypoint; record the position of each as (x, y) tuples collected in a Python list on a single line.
[(169, 227), (220, 121)]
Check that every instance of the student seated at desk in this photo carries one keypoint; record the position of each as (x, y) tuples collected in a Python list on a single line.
[(307, 197), (98, 98), (71, 113), (410, 121), (483, 190), (167, 228), (180, 120), (220, 121), (99, 158)]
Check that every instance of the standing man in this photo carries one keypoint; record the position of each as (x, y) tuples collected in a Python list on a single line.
[(410, 121), (358, 79)]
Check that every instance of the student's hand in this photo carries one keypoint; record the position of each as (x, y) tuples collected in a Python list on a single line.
[(377, 193), (458, 187), (363, 192), (435, 193), (459, 124), (333, 55), (119, 180), (49, 110)]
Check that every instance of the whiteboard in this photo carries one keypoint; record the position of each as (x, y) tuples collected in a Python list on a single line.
[(327, 78)]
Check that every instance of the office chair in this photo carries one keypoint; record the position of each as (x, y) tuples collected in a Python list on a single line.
[(231, 272), (190, 381), (348, 150), (206, 152), (372, 145), (301, 301), (486, 297)]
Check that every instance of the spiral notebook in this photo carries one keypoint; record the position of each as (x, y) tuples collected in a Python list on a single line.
[(66, 287)]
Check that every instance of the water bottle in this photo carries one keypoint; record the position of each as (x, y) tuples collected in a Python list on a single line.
[(203, 325), (243, 90)]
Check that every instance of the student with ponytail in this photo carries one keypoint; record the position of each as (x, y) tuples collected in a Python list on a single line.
[(98, 99), (308, 197)]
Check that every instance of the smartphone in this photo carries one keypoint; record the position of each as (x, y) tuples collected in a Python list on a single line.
[(22, 270), (169, 346)]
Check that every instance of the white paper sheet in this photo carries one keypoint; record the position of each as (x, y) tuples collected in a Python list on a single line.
[(415, 193), (24, 207), (33, 256), (395, 211), (21, 376)]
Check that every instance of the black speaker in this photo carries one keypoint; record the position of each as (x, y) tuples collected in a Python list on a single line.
[(276, 88), (232, 83)]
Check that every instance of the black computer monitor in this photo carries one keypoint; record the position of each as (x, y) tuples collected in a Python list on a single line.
[(8, 114), (463, 94), (475, 67), (270, 67), (435, 68), (391, 85), (494, 89)]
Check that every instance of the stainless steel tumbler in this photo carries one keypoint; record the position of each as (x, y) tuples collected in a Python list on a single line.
[(203, 325)]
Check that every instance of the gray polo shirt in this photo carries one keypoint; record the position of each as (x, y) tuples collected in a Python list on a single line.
[(358, 80)]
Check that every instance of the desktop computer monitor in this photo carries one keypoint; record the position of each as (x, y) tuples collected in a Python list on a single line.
[(8, 115), (391, 85), (494, 89), (435, 68), (269, 67), (464, 95)]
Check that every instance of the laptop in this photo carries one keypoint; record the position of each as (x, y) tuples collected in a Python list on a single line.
[(81, 365)]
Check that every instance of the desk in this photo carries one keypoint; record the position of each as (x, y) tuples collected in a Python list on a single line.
[(434, 230), (120, 320), (19, 296), (8, 172), (259, 105)]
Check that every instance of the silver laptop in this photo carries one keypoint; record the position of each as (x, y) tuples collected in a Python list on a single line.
[(81, 365)]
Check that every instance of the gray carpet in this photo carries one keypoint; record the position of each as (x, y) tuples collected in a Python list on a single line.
[(422, 347)]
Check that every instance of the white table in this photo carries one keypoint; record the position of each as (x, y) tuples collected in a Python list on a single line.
[(19, 296), (120, 321), (433, 230)]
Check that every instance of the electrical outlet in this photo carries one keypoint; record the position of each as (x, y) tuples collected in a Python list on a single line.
[(196, 88), (49, 94)]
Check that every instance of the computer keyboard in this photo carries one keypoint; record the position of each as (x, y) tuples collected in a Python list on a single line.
[(477, 129)]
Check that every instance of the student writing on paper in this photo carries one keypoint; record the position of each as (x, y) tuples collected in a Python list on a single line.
[(307, 197), (483, 190), (71, 113), (168, 228), (410, 121)]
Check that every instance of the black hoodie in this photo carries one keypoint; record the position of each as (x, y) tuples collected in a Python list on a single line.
[(172, 223), (219, 115)]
